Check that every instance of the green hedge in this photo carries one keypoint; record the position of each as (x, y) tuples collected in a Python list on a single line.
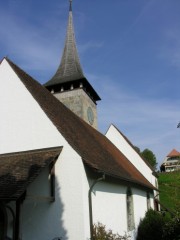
[(159, 227)]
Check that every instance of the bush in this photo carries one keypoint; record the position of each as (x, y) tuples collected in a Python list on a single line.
[(151, 226), (100, 233), (159, 227), (171, 229)]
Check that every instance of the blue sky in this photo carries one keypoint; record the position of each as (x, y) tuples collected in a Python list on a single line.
[(129, 51)]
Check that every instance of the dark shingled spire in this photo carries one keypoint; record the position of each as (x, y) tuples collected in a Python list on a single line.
[(69, 68), (70, 5), (70, 71)]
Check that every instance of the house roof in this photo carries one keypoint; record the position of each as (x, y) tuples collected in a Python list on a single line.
[(94, 148), (18, 170), (174, 153)]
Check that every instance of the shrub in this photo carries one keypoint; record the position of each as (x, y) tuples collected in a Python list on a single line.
[(151, 226), (159, 227), (171, 229), (100, 233)]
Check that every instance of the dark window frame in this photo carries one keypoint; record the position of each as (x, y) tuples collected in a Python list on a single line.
[(148, 201), (5, 219)]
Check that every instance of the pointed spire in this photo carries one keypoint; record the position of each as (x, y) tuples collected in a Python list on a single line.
[(69, 73), (70, 5), (69, 68)]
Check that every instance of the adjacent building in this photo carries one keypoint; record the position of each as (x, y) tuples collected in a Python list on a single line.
[(171, 162)]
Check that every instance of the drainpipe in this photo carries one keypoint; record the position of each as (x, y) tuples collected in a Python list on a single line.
[(90, 204)]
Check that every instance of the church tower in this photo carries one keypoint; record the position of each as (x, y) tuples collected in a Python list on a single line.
[(69, 84)]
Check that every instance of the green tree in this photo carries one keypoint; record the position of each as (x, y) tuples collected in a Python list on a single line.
[(137, 149), (149, 156)]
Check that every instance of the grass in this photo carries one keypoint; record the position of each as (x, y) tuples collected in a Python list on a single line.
[(169, 186)]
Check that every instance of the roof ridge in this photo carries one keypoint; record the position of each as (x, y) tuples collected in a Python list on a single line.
[(39, 150)]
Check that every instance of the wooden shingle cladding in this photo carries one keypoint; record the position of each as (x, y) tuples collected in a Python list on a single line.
[(18, 170), (94, 148), (70, 71), (70, 67)]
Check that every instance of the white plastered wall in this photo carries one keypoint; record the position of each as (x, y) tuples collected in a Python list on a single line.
[(65, 217), (24, 126), (108, 204), (110, 207), (120, 142)]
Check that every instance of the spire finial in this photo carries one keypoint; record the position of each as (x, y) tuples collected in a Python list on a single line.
[(70, 6)]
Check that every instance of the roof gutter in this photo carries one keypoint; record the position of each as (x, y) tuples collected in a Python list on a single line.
[(90, 204), (129, 180)]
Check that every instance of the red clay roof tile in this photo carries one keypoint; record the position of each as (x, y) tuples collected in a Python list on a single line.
[(173, 153)]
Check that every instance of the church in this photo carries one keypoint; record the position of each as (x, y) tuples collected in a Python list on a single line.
[(58, 174)]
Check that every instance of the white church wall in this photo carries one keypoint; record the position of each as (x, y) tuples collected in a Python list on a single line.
[(74, 187), (120, 142), (25, 127), (65, 217), (140, 204), (110, 206)]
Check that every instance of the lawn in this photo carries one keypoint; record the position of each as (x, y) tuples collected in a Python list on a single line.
[(169, 186)]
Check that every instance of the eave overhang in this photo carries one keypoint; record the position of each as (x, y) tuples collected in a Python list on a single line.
[(19, 169), (78, 83)]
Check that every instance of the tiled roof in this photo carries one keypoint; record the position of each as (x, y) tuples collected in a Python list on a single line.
[(174, 153), (94, 148), (18, 170)]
